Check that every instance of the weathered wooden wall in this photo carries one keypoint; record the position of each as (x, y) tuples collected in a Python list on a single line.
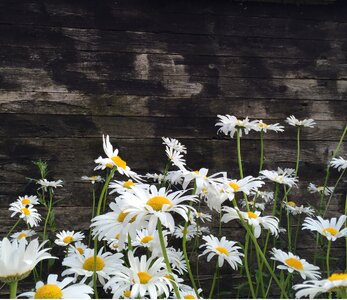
[(138, 70)]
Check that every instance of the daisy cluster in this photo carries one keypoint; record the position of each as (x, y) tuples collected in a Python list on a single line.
[(142, 225)]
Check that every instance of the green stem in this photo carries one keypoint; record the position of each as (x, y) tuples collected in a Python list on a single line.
[(249, 278), (289, 231), (13, 289), (298, 152), (213, 281), (261, 150), (239, 159), (93, 212), (328, 258), (166, 259), (44, 237), (332, 193), (130, 246), (13, 227), (261, 277), (346, 236)]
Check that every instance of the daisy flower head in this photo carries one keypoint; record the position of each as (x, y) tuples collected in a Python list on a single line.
[(150, 240), (26, 212), (156, 177), (312, 188), (27, 200), (330, 228), (174, 144), (177, 261), (188, 292), (337, 283), (190, 232), (64, 238), (199, 216), (122, 186), (294, 209), (261, 126), (83, 264), (253, 204), (246, 185), (291, 263), (339, 163), (176, 158), (45, 184), (224, 249), (296, 123), (264, 195), (92, 179), (24, 234), (77, 246), (144, 277), (55, 289), (230, 124), (17, 259), (279, 178), (252, 218), (153, 205)]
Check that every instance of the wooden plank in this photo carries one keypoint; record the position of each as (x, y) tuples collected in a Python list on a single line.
[(51, 126)]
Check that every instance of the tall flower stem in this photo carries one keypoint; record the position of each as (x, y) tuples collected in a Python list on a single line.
[(249, 278), (13, 227), (346, 236), (50, 204), (328, 258), (297, 151), (166, 258), (13, 289), (98, 210), (213, 282), (239, 159), (261, 162), (93, 213)]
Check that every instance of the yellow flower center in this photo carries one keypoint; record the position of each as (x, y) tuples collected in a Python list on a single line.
[(117, 236), (331, 230), (252, 215), (204, 190), (189, 296), (122, 216), (337, 276), (144, 277), (147, 239), (263, 125), (196, 172), (49, 291), (127, 293), (157, 202), (108, 165), (128, 184), (22, 235), (68, 239), (80, 250), (170, 277), (119, 162), (234, 186), (185, 231), (93, 178), (222, 250), (89, 264), (25, 211), (25, 201), (294, 263), (291, 203), (115, 246)]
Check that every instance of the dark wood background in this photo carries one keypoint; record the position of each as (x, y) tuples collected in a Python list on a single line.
[(71, 71)]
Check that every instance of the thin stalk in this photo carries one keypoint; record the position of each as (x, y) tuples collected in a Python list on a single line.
[(44, 237), (249, 278), (213, 281), (328, 258), (13, 289), (261, 277), (332, 193), (93, 213), (261, 162), (13, 227), (346, 236), (163, 249), (289, 231), (239, 159), (298, 151), (130, 246)]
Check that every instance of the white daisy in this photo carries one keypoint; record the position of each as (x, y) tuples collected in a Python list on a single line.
[(245, 185), (17, 259), (154, 204), (55, 289), (264, 195), (230, 124), (330, 228), (26, 200), (293, 263), (188, 292), (150, 240), (77, 246), (256, 205), (156, 177), (177, 261), (45, 184), (190, 232), (122, 186), (254, 219), (294, 209), (92, 179), (64, 238), (224, 249), (174, 144), (144, 277), (24, 234), (83, 264), (337, 283), (261, 126), (312, 188), (176, 158), (281, 179), (199, 216), (339, 163), (304, 123), (26, 212)]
